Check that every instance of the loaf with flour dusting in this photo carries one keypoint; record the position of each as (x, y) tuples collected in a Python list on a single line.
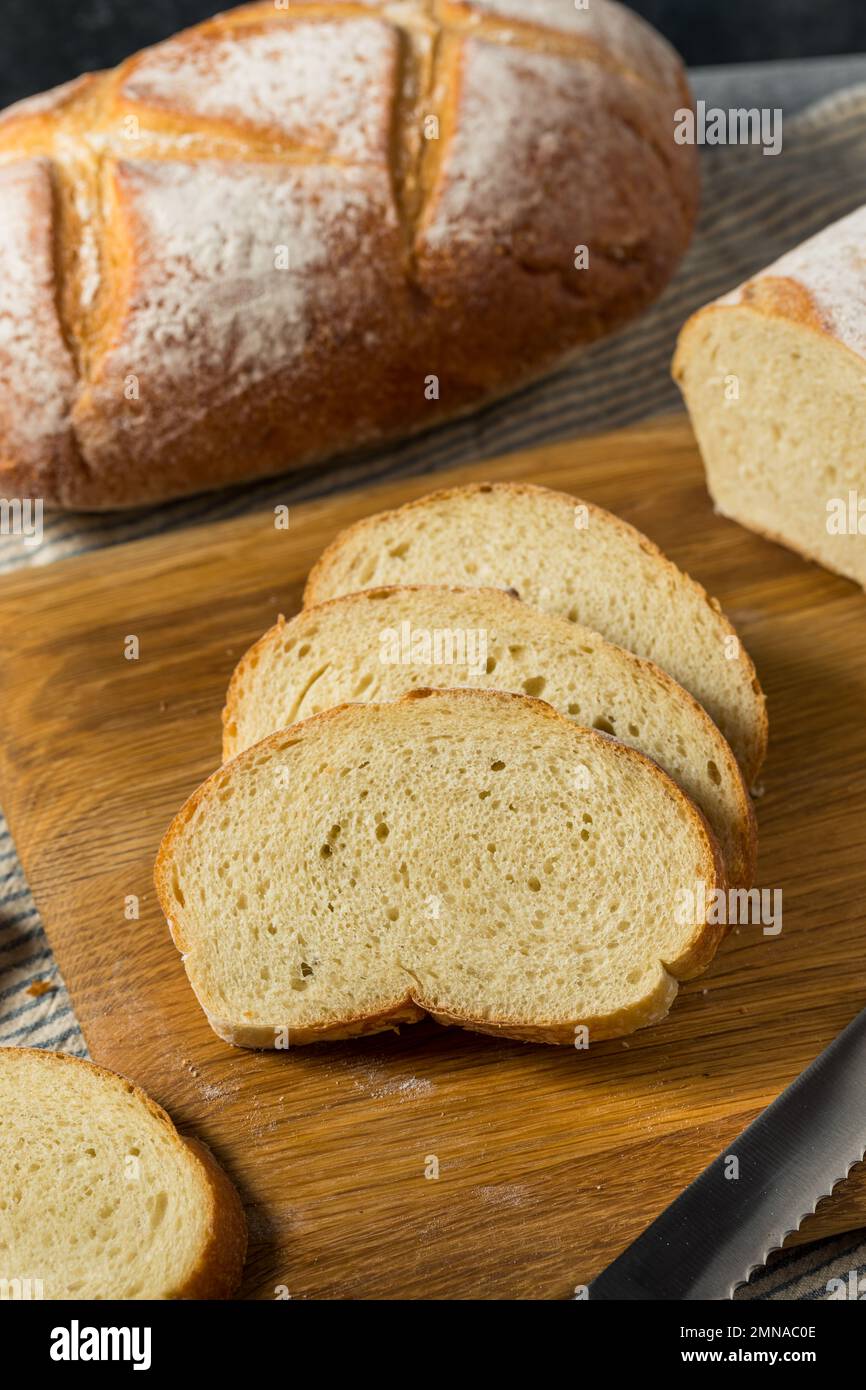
[(774, 377), (258, 243)]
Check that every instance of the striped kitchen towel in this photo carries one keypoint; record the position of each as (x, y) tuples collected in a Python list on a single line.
[(754, 208)]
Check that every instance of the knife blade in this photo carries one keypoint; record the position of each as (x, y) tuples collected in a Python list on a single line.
[(721, 1227)]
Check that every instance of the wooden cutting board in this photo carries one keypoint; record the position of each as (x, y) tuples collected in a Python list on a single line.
[(549, 1160)]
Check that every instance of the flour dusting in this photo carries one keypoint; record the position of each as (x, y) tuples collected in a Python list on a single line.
[(37, 375), (323, 86)]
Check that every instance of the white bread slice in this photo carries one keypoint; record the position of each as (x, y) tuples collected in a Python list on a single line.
[(568, 557), (487, 639), (774, 378), (468, 854), (100, 1197)]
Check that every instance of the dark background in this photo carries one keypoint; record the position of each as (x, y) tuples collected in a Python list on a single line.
[(43, 42)]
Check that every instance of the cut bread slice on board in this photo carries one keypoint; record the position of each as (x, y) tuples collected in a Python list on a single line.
[(567, 557), (375, 645), (101, 1197), (774, 378), (468, 854)]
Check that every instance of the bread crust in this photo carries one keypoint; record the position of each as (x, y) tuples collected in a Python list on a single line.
[(220, 1266), (740, 871), (217, 1271), (428, 268), (760, 727), (776, 297), (409, 1007)]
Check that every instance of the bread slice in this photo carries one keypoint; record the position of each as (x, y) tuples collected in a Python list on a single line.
[(100, 1197), (774, 378), (468, 854), (375, 645), (566, 557)]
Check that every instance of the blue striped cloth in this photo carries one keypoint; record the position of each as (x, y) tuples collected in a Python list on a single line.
[(754, 208)]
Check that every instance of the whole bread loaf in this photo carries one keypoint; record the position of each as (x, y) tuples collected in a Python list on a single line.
[(774, 377), (297, 229)]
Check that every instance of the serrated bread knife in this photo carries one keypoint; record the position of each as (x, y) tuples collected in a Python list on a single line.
[(730, 1218)]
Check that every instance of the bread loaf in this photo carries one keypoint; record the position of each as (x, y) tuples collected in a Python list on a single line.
[(774, 377), (376, 645), (468, 854), (567, 557), (291, 231), (100, 1197)]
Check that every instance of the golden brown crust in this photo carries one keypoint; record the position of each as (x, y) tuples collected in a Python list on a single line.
[(217, 1273), (781, 297), (564, 1033), (441, 274), (694, 958), (252, 1035), (769, 296), (247, 663)]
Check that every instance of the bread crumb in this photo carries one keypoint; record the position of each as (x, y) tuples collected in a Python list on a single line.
[(413, 1086), (40, 987), (503, 1194)]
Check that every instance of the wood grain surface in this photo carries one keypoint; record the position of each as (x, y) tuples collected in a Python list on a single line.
[(549, 1160)]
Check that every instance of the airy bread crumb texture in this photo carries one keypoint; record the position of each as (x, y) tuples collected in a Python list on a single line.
[(468, 854), (100, 1197), (486, 639), (790, 441), (571, 558)]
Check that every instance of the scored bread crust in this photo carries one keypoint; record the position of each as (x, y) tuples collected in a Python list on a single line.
[(754, 751), (304, 128), (218, 1269), (692, 960), (740, 869)]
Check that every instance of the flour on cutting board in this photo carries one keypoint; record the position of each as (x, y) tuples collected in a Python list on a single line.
[(377, 1084), (409, 1089), (503, 1194), (372, 1079)]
